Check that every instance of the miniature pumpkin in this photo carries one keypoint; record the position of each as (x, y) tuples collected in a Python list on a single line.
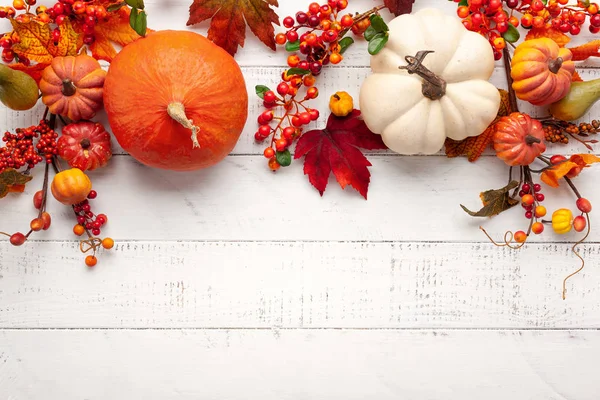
[(542, 71), (71, 186), (186, 106), (429, 82), (341, 104), (518, 139), (562, 221), (72, 86), (85, 145)]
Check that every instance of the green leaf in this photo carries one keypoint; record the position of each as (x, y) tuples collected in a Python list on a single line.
[(139, 4), (297, 71), (495, 201), (140, 23), (115, 7), (463, 2), (379, 24), (133, 17), (377, 43), (292, 46), (512, 34), (261, 90), (370, 33), (345, 43), (284, 158)]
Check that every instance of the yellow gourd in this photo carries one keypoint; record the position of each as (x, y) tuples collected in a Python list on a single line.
[(341, 104), (562, 221), (71, 187)]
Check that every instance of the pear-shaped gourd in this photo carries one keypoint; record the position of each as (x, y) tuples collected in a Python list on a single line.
[(18, 91), (578, 101)]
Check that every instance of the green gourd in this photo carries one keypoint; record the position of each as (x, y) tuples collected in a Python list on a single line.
[(578, 101), (18, 91)]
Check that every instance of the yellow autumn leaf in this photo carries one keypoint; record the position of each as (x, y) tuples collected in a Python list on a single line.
[(35, 41), (117, 30)]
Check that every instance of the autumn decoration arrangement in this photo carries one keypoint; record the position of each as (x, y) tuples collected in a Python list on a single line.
[(429, 90)]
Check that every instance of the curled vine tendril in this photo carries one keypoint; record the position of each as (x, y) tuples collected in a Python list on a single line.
[(92, 243), (574, 249), (508, 238)]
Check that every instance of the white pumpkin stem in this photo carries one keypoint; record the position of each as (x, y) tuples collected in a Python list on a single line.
[(176, 111), (433, 87)]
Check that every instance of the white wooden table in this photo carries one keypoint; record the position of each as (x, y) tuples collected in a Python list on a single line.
[(237, 283)]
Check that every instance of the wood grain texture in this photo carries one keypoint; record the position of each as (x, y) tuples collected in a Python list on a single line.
[(297, 285), (299, 364), (410, 199)]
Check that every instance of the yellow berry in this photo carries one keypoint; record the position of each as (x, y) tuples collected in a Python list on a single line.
[(108, 243)]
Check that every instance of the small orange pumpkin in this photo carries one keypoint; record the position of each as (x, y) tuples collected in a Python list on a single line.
[(518, 139), (542, 71), (185, 106), (71, 186), (85, 145), (72, 86)]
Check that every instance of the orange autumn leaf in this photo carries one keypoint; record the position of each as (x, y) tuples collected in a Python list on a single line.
[(35, 71), (585, 51), (473, 147), (115, 30), (16, 188), (35, 41), (578, 161), (576, 77), (560, 38)]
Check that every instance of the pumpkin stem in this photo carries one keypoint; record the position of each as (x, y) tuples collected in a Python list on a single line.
[(530, 139), (554, 65), (85, 143), (177, 112), (68, 88), (433, 87)]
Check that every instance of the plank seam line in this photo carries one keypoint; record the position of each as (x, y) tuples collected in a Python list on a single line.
[(481, 329), (300, 241)]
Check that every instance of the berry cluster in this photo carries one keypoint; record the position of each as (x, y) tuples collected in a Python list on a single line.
[(494, 18), (531, 197), (318, 35), (84, 14), (560, 131), (86, 219), (20, 150)]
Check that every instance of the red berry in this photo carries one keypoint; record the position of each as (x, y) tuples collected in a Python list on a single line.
[(330, 36), (305, 118), (302, 18), (595, 20), (314, 8), (557, 159), (296, 121), (537, 187), (264, 130), (92, 194), (95, 231), (47, 220), (314, 114), (267, 116), (289, 132), (280, 144), (283, 89), (17, 239), (584, 205), (292, 36), (288, 22), (528, 214), (37, 199), (526, 188), (574, 30), (314, 21), (270, 97), (537, 228), (540, 197)]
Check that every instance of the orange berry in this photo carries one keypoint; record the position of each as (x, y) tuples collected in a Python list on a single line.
[(335, 58), (47, 220), (41, 9), (78, 230), (79, 7), (593, 8), (463, 11), (325, 25), (537, 228), (528, 199), (90, 261), (108, 243), (45, 18), (520, 236), (293, 61), (584, 205), (347, 21), (269, 152), (540, 211), (18, 4), (526, 20), (273, 164), (280, 144), (538, 22), (499, 43), (514, 21), (342, 4), (579, 223), (309, 80), (36, 224), (280, 39), (312, 93)]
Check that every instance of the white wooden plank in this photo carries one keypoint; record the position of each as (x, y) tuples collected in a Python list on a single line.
[(307, 364), (410, 199), (290, 285)]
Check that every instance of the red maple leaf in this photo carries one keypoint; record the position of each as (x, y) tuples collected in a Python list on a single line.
[(229, 18), (335, 149), (399, 7)]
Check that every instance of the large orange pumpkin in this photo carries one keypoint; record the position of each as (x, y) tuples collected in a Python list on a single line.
[(542, 71), (175, 100)]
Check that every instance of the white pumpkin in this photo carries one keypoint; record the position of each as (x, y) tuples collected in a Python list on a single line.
[(392, 100)]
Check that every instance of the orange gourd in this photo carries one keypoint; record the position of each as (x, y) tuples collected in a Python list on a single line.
[(72, 86), (542, 71), (518, 139), (71, 186), (175, 100)]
